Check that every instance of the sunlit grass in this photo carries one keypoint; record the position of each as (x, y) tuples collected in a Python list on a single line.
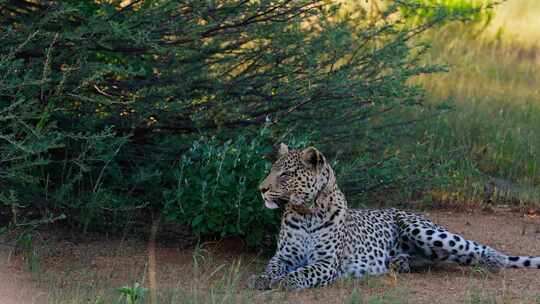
[(494, 85), (518, 21)]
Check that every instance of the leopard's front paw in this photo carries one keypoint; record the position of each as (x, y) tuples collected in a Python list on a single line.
[(259, 282), (400, 264), (287, 283)]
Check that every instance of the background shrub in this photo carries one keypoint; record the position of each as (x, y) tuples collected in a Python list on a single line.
[(113, 112)]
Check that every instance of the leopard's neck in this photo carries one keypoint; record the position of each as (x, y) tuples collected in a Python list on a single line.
[(329, 199)]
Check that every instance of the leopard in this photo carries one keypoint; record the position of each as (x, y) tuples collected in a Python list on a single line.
[(322, 240)]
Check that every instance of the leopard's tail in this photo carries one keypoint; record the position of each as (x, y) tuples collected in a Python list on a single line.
[(522, 262), (495, 260)]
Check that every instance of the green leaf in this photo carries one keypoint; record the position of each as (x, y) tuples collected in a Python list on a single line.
[(197, 220)]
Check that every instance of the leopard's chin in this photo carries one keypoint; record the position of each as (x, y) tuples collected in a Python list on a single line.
[(274, 203), (270, 204)]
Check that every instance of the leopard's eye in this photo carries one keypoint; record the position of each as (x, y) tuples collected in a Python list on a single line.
[(285, 175)]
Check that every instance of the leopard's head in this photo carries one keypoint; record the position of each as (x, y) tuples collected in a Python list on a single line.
[(296, 178)]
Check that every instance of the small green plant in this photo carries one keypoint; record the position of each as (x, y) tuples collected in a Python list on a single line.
[(395, 296), (29, 252), (477, 298), (99, 300), (481, 271), (476, 294), (354, 298), (199, 257), (133, 294)]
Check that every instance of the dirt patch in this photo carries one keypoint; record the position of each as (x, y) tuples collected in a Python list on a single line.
[(16, 284), (217, 272)]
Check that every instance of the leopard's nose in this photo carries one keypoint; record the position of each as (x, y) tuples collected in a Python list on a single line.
[(263, 189)]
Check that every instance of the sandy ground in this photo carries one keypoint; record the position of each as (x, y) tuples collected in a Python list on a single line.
[(16, 284), (81, 272)]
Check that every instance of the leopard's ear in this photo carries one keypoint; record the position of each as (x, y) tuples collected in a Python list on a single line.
[(313, 158), (283, 149)]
